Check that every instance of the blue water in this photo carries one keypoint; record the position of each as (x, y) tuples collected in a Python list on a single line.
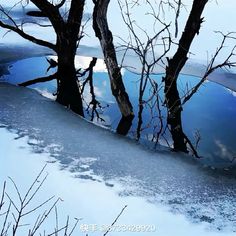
[(210, 113)]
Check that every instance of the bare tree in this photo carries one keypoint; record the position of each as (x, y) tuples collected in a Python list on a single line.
[(149, 59), (15, 208), (68, 34), (148, 50), (145, 50), (175, 65), (173, 101), (105, 37)]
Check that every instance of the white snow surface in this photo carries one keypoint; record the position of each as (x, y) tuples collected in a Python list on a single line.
[(97, 172)]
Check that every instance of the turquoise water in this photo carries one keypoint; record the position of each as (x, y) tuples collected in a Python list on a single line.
[(210, 113)]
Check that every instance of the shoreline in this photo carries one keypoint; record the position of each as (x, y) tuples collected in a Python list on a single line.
[(11, 54)]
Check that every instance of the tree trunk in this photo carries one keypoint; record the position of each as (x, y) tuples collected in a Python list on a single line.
[(104, 35), (68, 92), (175, 65), (174, 107), (68, 36)]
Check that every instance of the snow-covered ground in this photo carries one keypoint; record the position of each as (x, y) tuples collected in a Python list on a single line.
[(97, 172)]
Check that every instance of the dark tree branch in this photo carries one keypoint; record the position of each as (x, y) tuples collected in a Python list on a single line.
[(59, 5), (90, 70), (146, 53), (28, 37), (36, 14), (212, 67), (39, 80), (52, 12), (193, 149), (179, 3), (109, 229)]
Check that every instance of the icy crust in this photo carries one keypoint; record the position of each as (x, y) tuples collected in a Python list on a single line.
[(92, 200), (95, 154)]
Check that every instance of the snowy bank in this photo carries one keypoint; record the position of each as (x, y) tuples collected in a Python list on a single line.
[(97, 172)]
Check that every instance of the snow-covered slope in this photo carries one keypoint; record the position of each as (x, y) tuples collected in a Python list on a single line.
[(123, 168)]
